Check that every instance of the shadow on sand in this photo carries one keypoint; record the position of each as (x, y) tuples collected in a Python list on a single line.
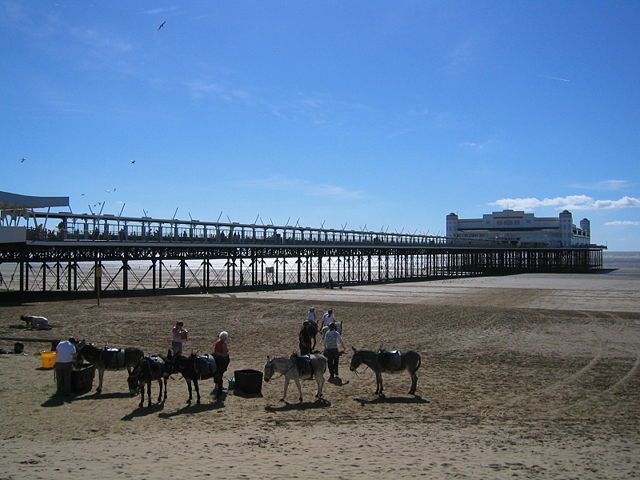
[(190, 409), (56, 401), (144, 411), (104, 396), (382, 399), (320, 403)]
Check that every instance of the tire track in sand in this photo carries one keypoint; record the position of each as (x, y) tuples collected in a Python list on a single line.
[(504, 407), (615, 387)]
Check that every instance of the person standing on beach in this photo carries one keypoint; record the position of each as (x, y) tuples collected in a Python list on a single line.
[(307, 338), (222, 346), (311, 315), (327, 319), (178, 335), (331, 340), (65, 356)]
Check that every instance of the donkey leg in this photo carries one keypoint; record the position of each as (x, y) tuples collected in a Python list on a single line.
[(379, 384), (190, 392), (148, 393), (286, 386), (195, 384), (320, 382), (100, 378), (160, 390), (141, 404), (164, 381), (414, 383), (297, 380)]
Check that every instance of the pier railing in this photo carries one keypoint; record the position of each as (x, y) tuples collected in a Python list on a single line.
[(109, 228)]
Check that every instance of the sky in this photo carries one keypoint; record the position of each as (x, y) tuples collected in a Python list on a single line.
[(375, 115)]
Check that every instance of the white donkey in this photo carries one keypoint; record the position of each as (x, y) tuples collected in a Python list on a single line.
[(288, 368)]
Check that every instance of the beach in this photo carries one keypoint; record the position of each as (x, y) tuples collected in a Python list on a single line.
[(525, 376)]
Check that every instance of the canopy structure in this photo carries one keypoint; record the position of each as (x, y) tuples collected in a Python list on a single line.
[(9, 201), (14, 206)]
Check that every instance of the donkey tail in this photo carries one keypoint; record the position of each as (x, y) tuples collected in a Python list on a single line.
[(419, 362)]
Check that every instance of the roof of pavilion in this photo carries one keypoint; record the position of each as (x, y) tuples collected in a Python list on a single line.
[(13, 201)]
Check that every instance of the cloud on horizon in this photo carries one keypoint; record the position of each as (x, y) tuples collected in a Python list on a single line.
[(605, 185), (570, 202), (305, 187), (623, 223)]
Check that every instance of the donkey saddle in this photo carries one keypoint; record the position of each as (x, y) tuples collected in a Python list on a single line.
[(390, 360)]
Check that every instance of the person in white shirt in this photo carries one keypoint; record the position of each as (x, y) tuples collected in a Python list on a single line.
[(331, 340), (32, 321), (327, 319), (65, 356), (311, 315), (178, 335)]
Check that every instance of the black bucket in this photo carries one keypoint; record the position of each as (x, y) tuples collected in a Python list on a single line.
[(82, 378), (248, 381)]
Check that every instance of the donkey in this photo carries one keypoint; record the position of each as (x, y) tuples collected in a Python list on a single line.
[(388, 362), (199, 367), (148, 369), (289, 367), (109, 358)]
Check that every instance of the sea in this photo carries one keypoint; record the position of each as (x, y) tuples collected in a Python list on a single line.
[(621, 264)]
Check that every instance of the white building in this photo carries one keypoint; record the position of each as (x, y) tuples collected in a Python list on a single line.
[(519, 228)]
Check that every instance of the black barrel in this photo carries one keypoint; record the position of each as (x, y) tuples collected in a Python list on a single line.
[(248, 381), (82, 378)]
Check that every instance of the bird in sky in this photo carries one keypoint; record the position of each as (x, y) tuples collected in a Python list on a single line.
[(133, 161), (22, 160), (111, 190), (161, 25)]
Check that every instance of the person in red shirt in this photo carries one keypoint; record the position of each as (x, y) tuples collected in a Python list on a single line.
[(221, 346)]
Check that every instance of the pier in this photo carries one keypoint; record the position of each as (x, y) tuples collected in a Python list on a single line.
[(67, 254)]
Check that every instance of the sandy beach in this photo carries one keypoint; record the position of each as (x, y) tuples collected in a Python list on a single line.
[(527, 376)]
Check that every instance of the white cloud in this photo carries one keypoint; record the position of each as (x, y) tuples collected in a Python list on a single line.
[(606, 185), (156, 11), (623, 223), (570, 202), (477, 146), (305, 187), (200, 89), (101, 40), (557, 79), (316, 108)]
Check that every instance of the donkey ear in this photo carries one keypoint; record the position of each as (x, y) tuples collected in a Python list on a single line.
[(354, 349), (268, 358)]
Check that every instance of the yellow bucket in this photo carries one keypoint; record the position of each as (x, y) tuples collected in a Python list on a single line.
[(48, 359)]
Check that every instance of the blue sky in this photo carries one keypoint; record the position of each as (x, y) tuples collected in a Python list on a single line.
[(384, 115)]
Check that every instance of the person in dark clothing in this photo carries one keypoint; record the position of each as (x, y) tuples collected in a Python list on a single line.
[(307, 338)]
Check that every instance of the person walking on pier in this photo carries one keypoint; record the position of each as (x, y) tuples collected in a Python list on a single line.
[(178, 335)]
